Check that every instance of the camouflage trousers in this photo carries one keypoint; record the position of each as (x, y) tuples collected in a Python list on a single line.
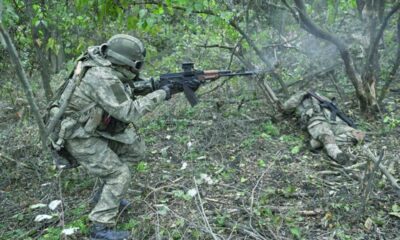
[(331, 135), (108, 160)]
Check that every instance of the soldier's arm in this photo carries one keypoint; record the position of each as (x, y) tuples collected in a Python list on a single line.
[(291, 104), (108, 92)]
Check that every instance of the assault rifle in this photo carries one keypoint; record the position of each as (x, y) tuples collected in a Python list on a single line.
[(190, 74), (331, 106)]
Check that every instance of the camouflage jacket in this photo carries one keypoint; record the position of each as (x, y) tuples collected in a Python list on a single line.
[(103, 95), (308, 109)]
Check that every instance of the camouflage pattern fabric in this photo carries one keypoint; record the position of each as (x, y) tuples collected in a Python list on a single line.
[(323, 131), (103, 95)]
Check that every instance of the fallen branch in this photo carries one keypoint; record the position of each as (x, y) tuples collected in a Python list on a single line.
[(389, 176), (5, 157), (244, 230)]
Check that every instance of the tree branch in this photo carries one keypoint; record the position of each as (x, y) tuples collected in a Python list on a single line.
[(25, 83), (216, 46)]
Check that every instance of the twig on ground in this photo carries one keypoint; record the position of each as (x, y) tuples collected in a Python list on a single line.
[(153, 190), (252, 194), (158, 236), (203, 214), (244, 230), (62, 222), (368, 179), (5, 157)]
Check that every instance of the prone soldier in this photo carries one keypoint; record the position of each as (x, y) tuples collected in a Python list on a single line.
[(327, 126)]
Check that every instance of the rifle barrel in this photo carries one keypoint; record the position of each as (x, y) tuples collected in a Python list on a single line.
[(238, 74)]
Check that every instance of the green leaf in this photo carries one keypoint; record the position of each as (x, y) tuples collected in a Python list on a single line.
[(261, 163), (226, 16), (131, 22), (36, 7), (295, 150), (159, 10), (142, 167), (396, 208), (295, 231), (142, 12)]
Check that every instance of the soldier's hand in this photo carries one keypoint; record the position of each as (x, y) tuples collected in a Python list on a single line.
[(78, 69)]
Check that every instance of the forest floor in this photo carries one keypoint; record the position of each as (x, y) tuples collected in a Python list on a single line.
[(221, 170)]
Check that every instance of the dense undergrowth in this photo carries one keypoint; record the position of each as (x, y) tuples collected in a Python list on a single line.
[(225, 169)]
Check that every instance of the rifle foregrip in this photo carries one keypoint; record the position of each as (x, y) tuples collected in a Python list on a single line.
[(211, 74)]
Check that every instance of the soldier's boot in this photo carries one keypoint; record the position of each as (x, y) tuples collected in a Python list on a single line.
[(124, 205), (315, 144), (333, 150), (103, 232)]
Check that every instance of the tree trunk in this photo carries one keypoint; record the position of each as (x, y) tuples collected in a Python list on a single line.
[(371, 67), (40, 52), (393, 71)]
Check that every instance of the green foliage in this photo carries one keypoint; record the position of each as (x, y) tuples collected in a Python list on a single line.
[(131, 224), (142, 167), (181, 195), (295, 231), (51, 233), (261, 163), (391, 121), (295, 150), (271, 129)]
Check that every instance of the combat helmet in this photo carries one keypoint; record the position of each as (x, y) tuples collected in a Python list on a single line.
[(125, 50)]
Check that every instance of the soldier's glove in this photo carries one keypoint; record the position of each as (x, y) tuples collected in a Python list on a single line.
[(170, 87), (167, 89)]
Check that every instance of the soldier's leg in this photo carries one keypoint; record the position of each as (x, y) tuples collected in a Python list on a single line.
[(130, 152), (346, 135), (321, 131), (96, 156)]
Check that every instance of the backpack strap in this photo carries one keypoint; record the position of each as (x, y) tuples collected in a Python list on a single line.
[(71, 84)]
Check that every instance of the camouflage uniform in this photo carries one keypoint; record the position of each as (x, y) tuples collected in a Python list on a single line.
[(97, 132), (323, 131)]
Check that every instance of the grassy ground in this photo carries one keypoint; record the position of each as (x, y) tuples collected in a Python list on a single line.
[(222, 170)]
